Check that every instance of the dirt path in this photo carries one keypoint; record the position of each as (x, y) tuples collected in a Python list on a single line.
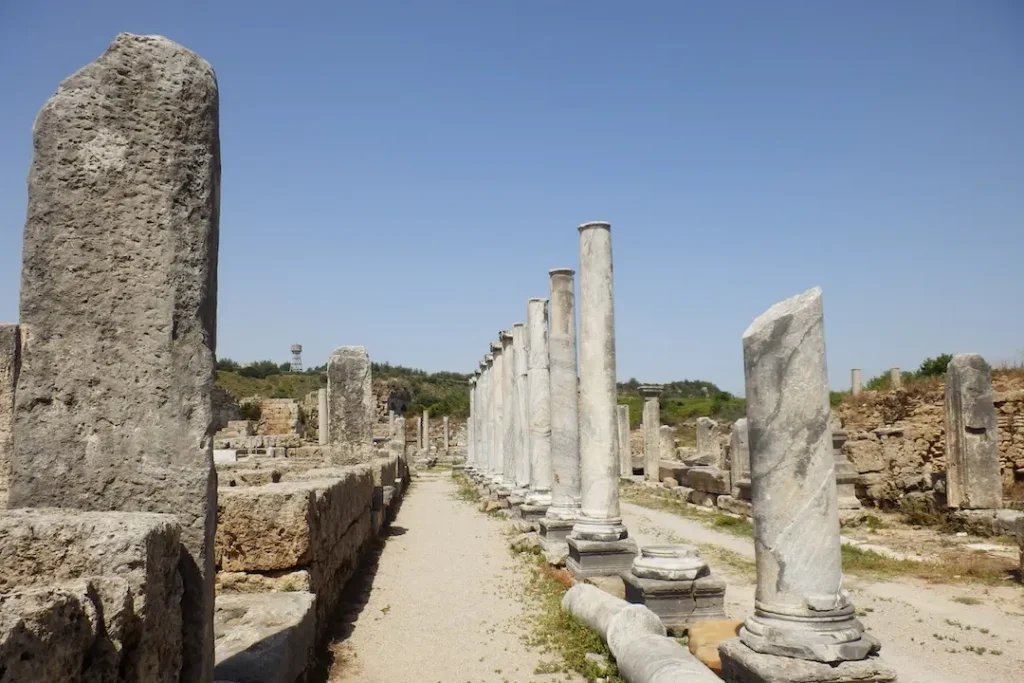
[(445, 603), (925, 631)]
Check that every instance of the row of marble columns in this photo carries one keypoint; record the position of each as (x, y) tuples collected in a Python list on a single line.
[(544, 434)]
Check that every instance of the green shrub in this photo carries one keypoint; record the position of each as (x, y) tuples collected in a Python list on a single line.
[(933, 367), (250, 411)]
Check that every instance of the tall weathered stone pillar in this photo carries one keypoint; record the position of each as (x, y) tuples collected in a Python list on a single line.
[(539, 393), (391, 423), (419, 433), (599, 543), (972, 439), (739, 460), (511, 440), (113, 409), (651, 424), (625, 456), (323, 420), (521, 466), (483, 421), (445, 425), (350, 406), (565, 450), (10, 366), (895, 379), (800, 609), (855, 381), (425, 424), (497, 422), (666, 443), (470, 438), (398, 447)]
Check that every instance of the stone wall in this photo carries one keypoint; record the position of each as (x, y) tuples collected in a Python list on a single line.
[(896, 440), (225, 408)]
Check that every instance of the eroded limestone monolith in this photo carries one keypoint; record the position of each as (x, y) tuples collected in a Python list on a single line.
[(323, 421), (651, 425), (10, 366), (113, 409), (801, 609), (739, 460), (972, 439), (350, 405)]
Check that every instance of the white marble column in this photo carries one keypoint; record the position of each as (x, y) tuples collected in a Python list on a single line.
[(855, 381), (470, 434), (521, 466), (895, 379), (800, 608), (510, 412), (322, 417), (426, 432), (485, 425), (600, 519), (444, 425), (565, 445), (497, 420), (419, 434), (651, 426), (625, 455), (539, 381)]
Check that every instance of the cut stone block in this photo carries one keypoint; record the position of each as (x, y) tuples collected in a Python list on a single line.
[(737, 507), (671, 469), (600, 558), (554, 530), (350, 395), (265, 638), (708, 479), (678, 603), (740, 664), (138, 591), (703, 498)]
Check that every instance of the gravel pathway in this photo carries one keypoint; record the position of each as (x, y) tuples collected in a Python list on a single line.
[(445, 603)]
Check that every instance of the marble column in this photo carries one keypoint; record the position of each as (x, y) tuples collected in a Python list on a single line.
[(470, 442), (539, 391), (972, 438), (322, 417), (801, 610), (391, 423), (855, 381), (625, 455), (510, 411), (565, 445), (739, 460), (666, 443), (521, 466), (599, 543), (497, 420), (419, 434), (444, 425), (651, 424), (485, 425), (895, 379)]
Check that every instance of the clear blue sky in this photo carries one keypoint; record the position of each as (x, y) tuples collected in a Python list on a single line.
[(403, 174)]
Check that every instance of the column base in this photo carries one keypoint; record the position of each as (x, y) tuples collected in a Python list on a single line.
[(589, 529), (532, 513), (831, 640), (740, 664), (599, 558), (554, 530), (678, 603)]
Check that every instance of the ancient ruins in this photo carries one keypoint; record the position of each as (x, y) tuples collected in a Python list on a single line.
[(150, 533)]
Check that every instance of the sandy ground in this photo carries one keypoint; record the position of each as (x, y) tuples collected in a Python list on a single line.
[(925, 633), (445, 602)]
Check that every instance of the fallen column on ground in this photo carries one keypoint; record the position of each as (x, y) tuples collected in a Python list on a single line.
[(113, 408), (636, 637), (557, 522), (803, 619), (539, 380), (599, 543)]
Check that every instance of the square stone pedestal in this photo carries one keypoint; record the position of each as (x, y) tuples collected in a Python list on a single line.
[(553, 531), (678, 603), (600, 558), (740, 664), (532, 513)]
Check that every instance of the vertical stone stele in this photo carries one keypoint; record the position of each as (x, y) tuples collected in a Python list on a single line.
[(565, 445), (350, 405), (802, 616), (10, 367), (323, 419), (651, 426), (539, 393), (113, 409), (739, 460), (599, 543), (972, 439), (625, 456)]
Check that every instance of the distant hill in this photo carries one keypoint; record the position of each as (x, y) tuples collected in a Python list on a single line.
[(682, 401)]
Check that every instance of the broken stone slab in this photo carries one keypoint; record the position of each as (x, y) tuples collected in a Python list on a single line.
[(972, 439), (136, 559), (672, 469), (740, 664), (284, 581), (264, 638), (1003, 522), (737, 507), (708, 479), (702, 498), (350, 395)]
